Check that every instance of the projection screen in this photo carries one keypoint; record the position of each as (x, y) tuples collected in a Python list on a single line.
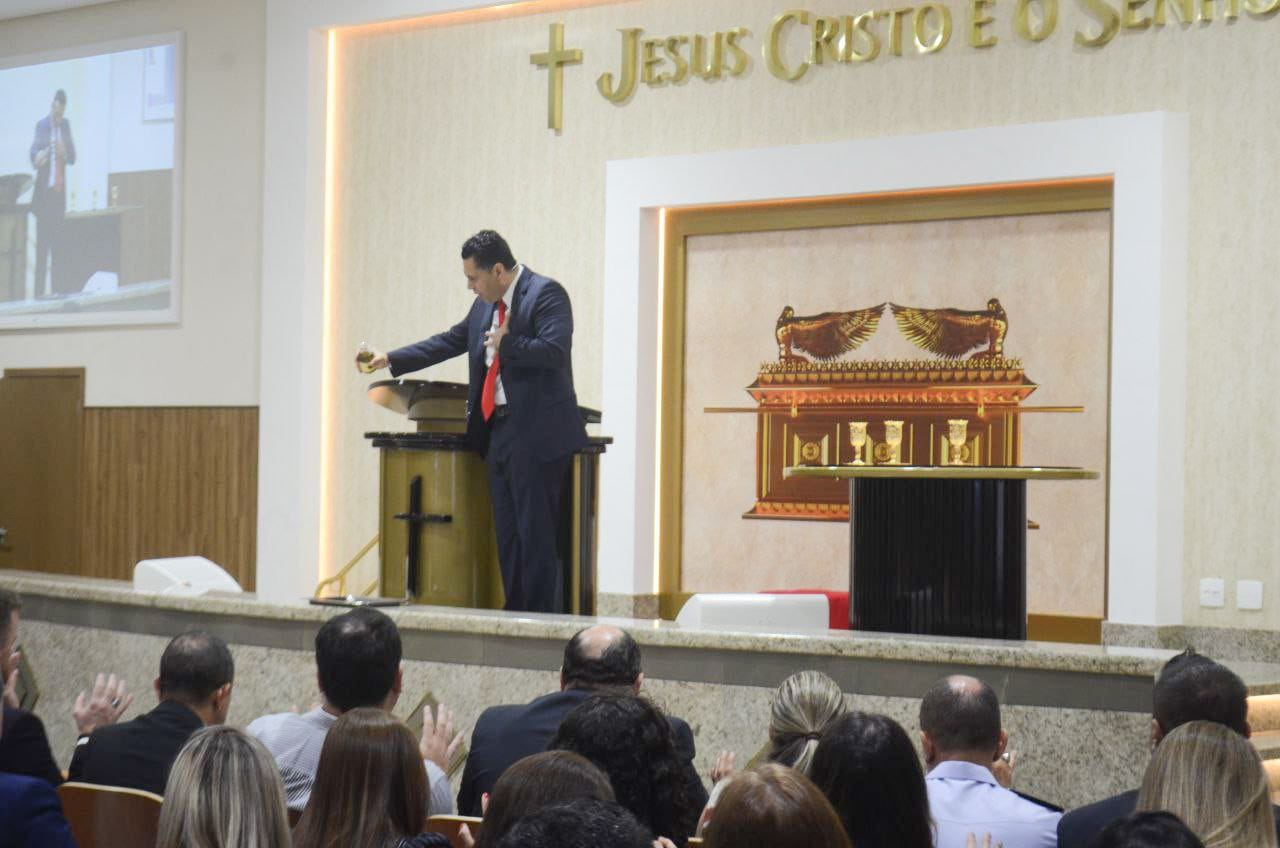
[(90, 143)]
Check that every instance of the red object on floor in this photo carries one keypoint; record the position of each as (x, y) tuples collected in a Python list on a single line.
[(837, 604)]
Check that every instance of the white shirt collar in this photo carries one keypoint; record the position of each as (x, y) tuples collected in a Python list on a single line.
[(511, 289), (961, 770)]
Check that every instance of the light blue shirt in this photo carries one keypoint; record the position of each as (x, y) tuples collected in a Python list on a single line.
[(965, 798)]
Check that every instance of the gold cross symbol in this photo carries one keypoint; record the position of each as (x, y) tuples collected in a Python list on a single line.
[(555, 59)]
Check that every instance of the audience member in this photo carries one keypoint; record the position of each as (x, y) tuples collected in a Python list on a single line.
[(539, 781), (961, 737), (1208, 775), (585, 823), (370, 789), (599, 658), (632, 742), (30, 814), (776, 806), (357, 665), (1190, 687), (223, 792), (803, 707), (1147, 830), (24, 748), (194, 688), (867, 768)]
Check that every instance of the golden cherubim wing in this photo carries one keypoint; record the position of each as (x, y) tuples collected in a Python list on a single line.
[(950, 333), (831, 334)]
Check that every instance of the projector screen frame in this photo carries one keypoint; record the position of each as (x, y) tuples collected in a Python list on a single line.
[(172, 314)]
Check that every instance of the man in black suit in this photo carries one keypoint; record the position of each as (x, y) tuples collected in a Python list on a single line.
[(194, 687), (1191, 687), (600, 657), (24, 747), (522, 411), (52, 150)]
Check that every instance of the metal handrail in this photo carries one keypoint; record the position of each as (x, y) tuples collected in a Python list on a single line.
[(341, 577)]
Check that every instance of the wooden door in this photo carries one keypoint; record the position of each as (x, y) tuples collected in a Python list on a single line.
[(41, 410)]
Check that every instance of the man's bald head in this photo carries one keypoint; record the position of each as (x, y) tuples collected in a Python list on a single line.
[(961, 714), (600, 656)]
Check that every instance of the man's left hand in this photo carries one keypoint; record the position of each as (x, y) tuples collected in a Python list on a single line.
[(1002, 768), (493, 338), (439, 743), (104, 705)]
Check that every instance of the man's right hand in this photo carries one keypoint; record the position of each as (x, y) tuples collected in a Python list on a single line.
[(376, 363)]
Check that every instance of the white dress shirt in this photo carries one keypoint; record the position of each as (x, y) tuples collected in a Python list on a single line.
[(295, 742), (500, 396), (965, 798)]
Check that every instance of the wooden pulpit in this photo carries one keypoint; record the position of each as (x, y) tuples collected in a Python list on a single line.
[(435, 518)]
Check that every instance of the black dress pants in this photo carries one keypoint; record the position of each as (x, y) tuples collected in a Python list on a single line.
[(526, 491)]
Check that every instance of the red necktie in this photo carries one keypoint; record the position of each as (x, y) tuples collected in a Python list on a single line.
[(59, 167), (487, 394)]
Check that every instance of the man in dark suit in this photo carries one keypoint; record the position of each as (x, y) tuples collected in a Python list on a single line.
[(600, 657), (1191, 687), (52, 150), (30, 813), (24, 747), (194, 688), (522, 411)]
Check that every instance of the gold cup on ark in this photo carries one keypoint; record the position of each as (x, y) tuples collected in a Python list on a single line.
[(858, 441), (893, 438), (957, 435)]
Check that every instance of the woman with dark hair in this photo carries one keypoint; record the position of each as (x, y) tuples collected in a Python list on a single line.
[(370, 789), (536, 782), (1147, 830), (776, 806), (867, 768), (631, 741)]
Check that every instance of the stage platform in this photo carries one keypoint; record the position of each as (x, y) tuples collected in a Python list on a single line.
[(1078, 715)]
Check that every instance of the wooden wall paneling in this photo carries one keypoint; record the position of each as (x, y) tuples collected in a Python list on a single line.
[(40, 420), (170, 481)]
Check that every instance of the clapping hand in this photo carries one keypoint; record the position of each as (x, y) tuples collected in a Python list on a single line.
[(108, 701), (723, 767), (11, 680), (439, 743)]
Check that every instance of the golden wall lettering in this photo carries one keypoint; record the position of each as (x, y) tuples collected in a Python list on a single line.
[(855, 30), (932, 40), (1024, 26), (673, 60), (978, 20), (773, 57), (1108, 17)]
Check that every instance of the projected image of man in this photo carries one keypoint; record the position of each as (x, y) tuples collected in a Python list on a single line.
[(52, 150)]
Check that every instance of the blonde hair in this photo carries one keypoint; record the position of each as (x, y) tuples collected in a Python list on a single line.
[(224, 791), (803, 706), (1212, 778)]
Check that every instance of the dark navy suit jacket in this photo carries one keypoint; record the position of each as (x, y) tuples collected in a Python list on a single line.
[(1078, 828), (512, 732), (41, 142), (535, 361), (30, 815)]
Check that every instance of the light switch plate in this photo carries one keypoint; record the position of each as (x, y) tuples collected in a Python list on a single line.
[(1249, 594), (1213, 592)]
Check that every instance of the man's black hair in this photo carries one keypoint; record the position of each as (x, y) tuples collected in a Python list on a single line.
[(1192, 687), (193, 666), (618, 665), (357, 656), (961, 718), (584, 823), (486, 249), (1152, 829), (60, 96), (9, 604)]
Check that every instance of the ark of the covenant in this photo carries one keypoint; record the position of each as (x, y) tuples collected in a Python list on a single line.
[(815, 408)]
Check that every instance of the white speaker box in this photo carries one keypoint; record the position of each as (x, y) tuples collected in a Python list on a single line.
[(188, 575), (785, 612)]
